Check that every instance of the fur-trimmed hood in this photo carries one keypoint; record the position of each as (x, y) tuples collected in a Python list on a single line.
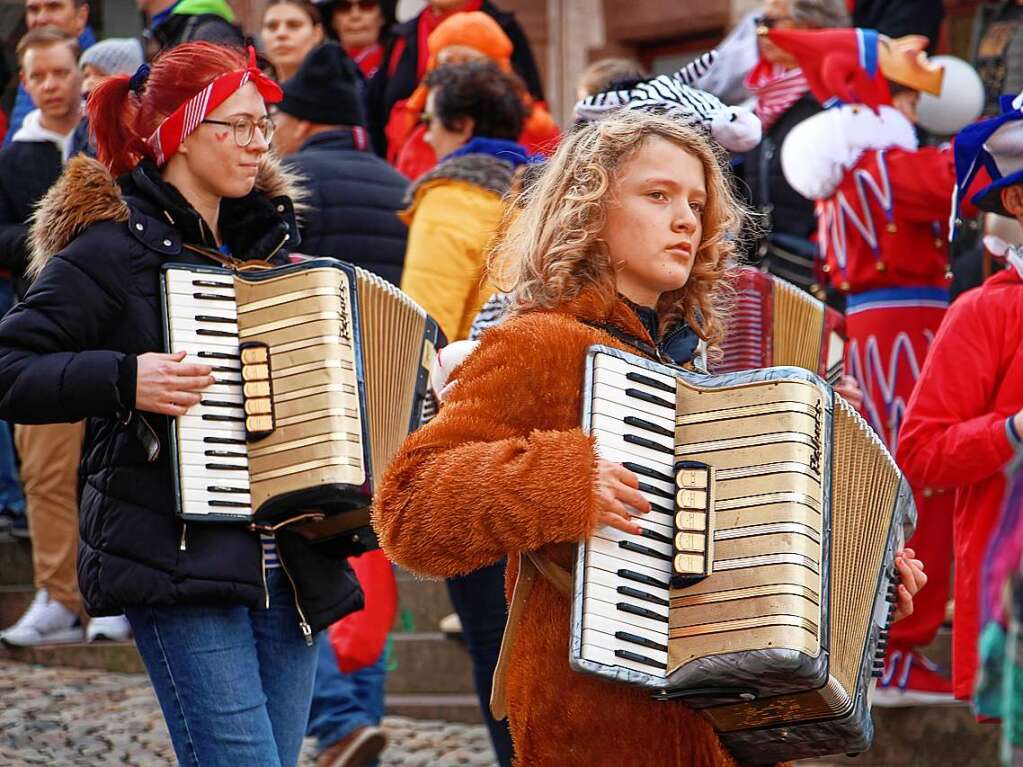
[(483, 170), (87, 193)]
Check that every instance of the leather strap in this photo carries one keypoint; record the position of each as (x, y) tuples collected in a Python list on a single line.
[(531, 564)]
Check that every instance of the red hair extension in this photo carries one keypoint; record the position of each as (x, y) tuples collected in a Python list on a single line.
[(122, 121)]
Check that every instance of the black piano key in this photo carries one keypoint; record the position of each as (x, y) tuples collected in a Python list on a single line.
[(224, 418), (653, 383), (224, 454), (220, 369), (637, 394), (625, 636), (637, 658), (628, 591), (227, 381), (223, 441), (649, 444), (211, 297), (219, 403), (639, 423), (225, 489), (645, 488), (637, 548), (653, 535), (218, 356), (226, 467), (646, 471), (229, 504), (222, 333), (211, 318), (648, 580), (642, 612), (211, 284)]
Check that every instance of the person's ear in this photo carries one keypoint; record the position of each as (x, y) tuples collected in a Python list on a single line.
[(466, 128), (81, 17), (303, 129), (1012, 200), (320, 35)]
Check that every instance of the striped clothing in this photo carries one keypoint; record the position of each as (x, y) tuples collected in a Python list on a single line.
[(270, 560)]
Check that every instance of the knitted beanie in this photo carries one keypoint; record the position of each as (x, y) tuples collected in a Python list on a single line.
[(116, 56)]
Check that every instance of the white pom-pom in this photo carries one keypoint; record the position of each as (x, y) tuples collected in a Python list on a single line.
[(446, 362), (736, 129)]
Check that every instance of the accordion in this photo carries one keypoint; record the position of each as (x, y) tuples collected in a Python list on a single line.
[(320, 371), (775, 323), (761, 587)]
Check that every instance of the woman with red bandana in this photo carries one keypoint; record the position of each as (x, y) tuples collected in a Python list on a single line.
[(223, 617), (407, 55)]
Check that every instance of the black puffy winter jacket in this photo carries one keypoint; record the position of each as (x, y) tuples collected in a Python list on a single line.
[(69, 352)]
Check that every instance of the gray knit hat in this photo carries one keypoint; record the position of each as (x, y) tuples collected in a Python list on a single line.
[(116, 56)]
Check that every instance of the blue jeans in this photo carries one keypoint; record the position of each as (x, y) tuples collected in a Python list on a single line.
[(478, 598), (234, 684), (344, 703), (11, 495)]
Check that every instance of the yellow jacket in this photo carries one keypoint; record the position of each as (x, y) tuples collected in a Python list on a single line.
[(454, 212)]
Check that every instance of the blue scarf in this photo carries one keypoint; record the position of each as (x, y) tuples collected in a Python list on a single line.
[(502, 149)]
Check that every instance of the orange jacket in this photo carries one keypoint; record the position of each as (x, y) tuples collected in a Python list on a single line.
[(505, 468)]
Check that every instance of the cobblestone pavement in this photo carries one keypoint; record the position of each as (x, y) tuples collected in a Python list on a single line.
[(74, 718)]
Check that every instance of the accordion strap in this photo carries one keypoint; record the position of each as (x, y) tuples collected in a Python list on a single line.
[(531, 564)]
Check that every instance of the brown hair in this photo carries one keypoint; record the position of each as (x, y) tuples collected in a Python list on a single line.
[(551, 250), (601, 74), (315, 17), (44, 37)]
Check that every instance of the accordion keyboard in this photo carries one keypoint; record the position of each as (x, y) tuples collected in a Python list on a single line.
[(212, 458), (626, 580)]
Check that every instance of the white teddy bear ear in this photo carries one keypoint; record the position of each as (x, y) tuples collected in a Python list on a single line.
[(736, 129)]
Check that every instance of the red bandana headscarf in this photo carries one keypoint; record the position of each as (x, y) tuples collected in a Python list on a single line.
[(186, 118)]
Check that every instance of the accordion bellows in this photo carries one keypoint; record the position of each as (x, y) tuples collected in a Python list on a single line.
[(758, 590), (774, 323), (320, 369)]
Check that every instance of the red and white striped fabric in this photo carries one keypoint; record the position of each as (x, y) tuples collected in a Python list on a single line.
[(172, 132), (776, 89)]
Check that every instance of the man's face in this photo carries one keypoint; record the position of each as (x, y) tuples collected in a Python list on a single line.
[(777, 14), (288, 136), (51, 76), (62, 14)]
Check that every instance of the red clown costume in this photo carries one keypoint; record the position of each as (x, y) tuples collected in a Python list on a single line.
[(882, 210)]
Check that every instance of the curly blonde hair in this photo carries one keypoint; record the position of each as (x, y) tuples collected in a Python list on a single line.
[(549, 250)]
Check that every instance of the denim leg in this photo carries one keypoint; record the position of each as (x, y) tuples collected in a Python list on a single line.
[(478, 598), (342, 703), (11, 495), (287, 665), (204, 668)]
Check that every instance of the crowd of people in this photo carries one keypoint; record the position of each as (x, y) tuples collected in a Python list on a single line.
[(424, 151)]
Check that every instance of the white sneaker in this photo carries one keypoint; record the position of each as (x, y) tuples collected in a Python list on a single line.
[(451, 626), (114, 628), (45, 622)]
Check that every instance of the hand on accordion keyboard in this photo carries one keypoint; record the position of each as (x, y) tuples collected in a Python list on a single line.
[(617, 491), (849, 388), (165, 385), (912, 578)]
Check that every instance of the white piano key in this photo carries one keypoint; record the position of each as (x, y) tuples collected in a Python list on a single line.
[(621, 367), (607, 657), (612, 441), (616, 398), (611, 596), (604, 557), (604, 625), (612, 643), (612, 612), (204, 509), (613, 534), (621, 383), (629, 558)]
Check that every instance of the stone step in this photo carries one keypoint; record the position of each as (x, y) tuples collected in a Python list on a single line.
[(450, 707), (421, 603), (14, 600), (422, 664), (924, 736), (15, 562)]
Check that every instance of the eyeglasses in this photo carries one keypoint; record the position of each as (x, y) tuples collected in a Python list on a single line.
[(244, 128), (347, 6), (770, 22)]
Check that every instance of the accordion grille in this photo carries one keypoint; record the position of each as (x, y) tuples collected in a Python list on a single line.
[(764, 440), (748, 342), (393, 326), (305, 320), (864, 486), (798, 327)]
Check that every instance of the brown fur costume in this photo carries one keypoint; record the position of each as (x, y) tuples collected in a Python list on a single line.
[(505, 468)]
